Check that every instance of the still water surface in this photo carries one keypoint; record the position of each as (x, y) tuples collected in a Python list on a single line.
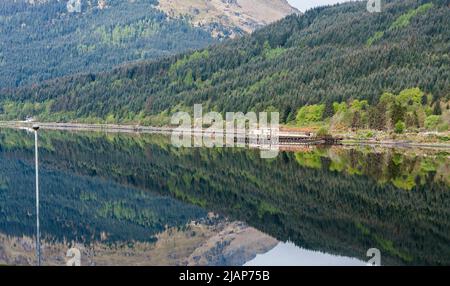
[(137, 200)]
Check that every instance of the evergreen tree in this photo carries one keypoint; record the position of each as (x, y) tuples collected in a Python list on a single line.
[(437, 108), (424, 100), (377, 117), (328, 112), (356, 121), (398, 112)]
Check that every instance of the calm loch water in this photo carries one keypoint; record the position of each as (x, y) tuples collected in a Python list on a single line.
[(137, 200)]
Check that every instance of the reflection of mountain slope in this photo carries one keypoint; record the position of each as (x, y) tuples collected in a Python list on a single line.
[(236, 243), (208, 243)]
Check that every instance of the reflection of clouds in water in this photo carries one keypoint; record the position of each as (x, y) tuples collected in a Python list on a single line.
[(287, 254)]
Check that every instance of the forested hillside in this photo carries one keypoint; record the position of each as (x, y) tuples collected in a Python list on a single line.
[(43, 40), (333, 54)]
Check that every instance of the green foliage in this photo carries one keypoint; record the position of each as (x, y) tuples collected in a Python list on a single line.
[(411, 96), (401, 22), (398, 112), (323, 131), (432, 122), (339, 107), (120, 34), (443, 127), (193, 58), (310, 160), (387, 98), (400, 127), (405, 19), (369, 134), (407, 107), (310, 114), (272, 53), (375, 38), (359, 105)]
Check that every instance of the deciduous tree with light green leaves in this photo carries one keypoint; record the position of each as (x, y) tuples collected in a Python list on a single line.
[(400, 127), (310, 114)]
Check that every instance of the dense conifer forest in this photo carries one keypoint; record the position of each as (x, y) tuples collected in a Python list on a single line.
[(388, 70), (42, 41)]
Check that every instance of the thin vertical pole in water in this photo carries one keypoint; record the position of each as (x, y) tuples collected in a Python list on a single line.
[(38, 238)]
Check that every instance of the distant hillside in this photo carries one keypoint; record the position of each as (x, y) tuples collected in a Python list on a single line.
[(40, 40), (44, 39), (328, 54), (228, 18)]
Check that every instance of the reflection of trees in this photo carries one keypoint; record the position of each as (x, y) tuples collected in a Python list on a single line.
[(76, 205), (374, 166), (404, 171), (334, 200)]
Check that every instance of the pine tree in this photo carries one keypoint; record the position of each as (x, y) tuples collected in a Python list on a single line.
[(424, 100), (329, 110), (398, 112), (356, 122), (437, 108), (377, 117)]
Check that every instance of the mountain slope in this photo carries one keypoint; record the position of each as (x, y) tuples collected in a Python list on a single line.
[(327, 54), (228, 17), (44, 39)]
